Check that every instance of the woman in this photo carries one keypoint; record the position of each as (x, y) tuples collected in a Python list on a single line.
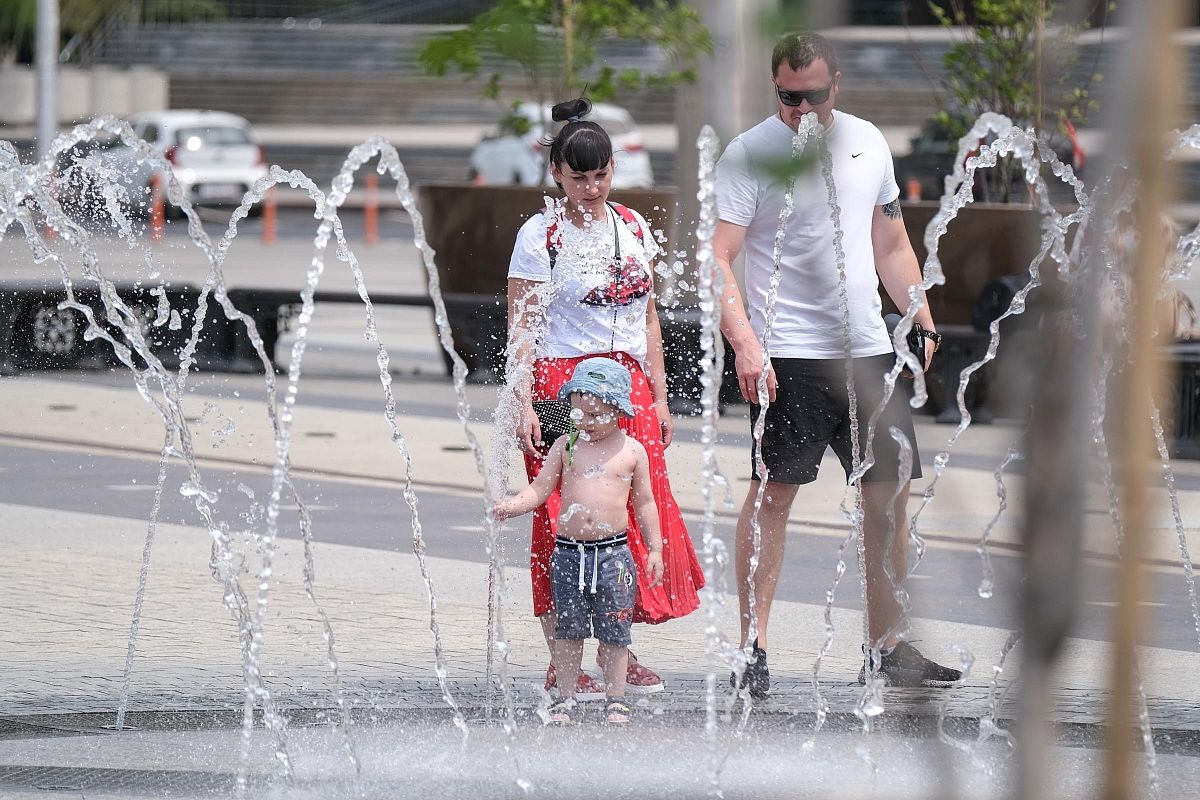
[(580, 284)]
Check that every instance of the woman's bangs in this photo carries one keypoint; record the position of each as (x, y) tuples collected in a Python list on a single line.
[(587, 150)]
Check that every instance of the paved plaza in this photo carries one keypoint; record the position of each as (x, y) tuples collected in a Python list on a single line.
[(78, 463)]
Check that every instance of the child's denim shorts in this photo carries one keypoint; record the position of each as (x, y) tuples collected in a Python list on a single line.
[(594, 586)]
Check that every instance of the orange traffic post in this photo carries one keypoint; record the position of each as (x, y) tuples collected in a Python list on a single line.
[(269, 210), (913, 189), (158, 216), (371, 210)]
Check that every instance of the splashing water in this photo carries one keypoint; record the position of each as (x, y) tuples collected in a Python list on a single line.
[(966, 661), (1099, 400), (870, 703), (178, 444), (164, 393), (389, 162), (1031, 152), (518, 372), (958, 193), (34, 188), (143, 579), (987, 580), (853, 515), (1185, 556), (808, 129), (711, 280)]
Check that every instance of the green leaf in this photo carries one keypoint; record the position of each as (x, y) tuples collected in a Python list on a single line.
[(993, 59), (529, 34), (787, 169)]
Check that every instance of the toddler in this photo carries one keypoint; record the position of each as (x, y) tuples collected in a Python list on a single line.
[(598, 469)]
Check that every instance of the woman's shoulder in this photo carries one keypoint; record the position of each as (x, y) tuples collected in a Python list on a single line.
[(535, 226), (530, 261), (635, 221)]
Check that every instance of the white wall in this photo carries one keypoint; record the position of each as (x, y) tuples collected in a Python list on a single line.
[(83, 94)]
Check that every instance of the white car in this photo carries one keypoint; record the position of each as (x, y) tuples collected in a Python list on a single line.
[(214, 155), (496, 159)]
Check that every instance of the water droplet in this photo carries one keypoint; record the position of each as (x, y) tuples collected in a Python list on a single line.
[(164, 309), (190, 489)]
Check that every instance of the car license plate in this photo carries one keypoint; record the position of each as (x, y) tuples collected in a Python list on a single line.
[(209, 190)]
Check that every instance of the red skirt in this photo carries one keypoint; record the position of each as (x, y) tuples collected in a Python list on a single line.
[(683, 577)]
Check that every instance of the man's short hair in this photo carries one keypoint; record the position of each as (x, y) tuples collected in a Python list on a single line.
[(802, 49)]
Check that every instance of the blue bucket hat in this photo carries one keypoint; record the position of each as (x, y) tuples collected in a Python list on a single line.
[(603, 378)]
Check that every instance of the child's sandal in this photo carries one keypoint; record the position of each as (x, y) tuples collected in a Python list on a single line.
[(564, 712), (616, 712)]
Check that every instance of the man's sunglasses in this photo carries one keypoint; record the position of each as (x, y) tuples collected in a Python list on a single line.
[(815, 97)]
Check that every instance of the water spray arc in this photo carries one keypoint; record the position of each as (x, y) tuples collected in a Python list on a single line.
[(26, 203)]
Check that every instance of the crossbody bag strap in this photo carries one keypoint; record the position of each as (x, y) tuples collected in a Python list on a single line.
[(616, 236), (551, 250), (628, 217)]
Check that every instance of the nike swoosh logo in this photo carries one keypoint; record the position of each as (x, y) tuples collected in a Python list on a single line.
[(855, 155)]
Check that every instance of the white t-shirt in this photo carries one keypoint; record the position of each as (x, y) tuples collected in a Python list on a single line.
[(593, 307), (808, 312)]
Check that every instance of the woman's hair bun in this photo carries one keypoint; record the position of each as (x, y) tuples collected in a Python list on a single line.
[(580, 144), (579, 107)]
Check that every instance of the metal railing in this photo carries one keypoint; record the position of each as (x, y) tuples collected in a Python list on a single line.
[(126, 26), (345, 11)]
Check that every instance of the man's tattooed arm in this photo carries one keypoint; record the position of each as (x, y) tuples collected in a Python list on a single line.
[(892, 209)]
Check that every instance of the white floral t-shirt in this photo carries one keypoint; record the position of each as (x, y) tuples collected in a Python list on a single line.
[(596, 302)]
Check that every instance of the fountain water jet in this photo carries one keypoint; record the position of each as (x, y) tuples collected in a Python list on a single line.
[(222, 560), (808, 129)]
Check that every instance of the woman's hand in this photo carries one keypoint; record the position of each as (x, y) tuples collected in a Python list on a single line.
[(666, 425), (654, 567), (529, 430)]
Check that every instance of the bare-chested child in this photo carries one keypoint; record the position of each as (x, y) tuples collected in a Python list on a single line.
[(598, 469)]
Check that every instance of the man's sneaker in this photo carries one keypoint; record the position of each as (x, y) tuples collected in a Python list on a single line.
[(641, 680), (905, 666), (756, 678), (586, 687), (564, 712)]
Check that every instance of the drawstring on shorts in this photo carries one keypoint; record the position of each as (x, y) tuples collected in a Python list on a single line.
[(595, 546)]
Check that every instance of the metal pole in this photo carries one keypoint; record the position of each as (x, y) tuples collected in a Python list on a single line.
[(47, 74), (732, 93), (1154, 76), (568, 24)]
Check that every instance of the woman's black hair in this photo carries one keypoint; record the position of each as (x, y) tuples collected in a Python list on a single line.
[(582, 145)]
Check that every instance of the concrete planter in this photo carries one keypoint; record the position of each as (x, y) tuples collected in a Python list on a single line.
[(984, 243)]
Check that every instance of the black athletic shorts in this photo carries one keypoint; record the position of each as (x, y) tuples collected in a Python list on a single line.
[(812, 411)]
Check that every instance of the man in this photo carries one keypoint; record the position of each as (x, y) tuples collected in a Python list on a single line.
[(806, 380)]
